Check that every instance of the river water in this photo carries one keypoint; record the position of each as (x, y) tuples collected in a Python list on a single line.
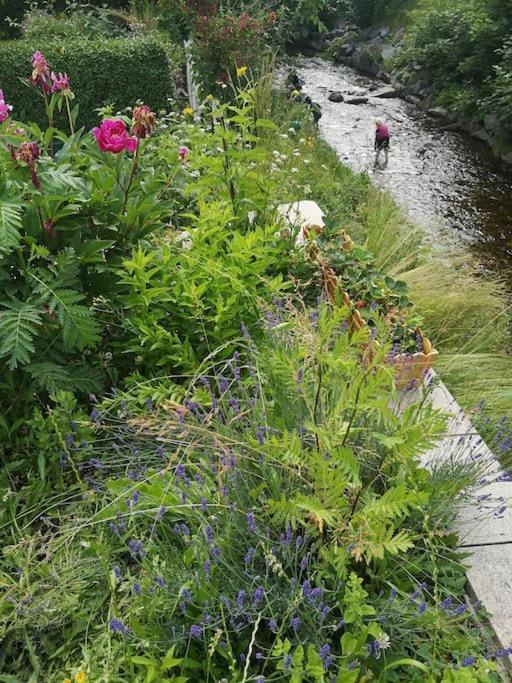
[(446, 181)]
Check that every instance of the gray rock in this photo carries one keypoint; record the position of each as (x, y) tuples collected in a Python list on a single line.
[(388, 52), (387, 93), (412, 99), (425, 92), (336, 97), (381, 32), (419, 86), (507, 158), (373, 87), (347, 50), (457, 125), (383, 76), (357, 100), (481, 134), (399, 35), (438, 112), (492, 121)]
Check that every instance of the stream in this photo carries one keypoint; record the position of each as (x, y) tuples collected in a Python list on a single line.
[(447, 182)]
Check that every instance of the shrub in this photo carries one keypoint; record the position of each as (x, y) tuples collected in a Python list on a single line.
[(103, 72)]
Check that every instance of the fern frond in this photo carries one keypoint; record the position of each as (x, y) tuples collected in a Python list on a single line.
[(79, 328), (54, 377), (10, 226), (19, 326)]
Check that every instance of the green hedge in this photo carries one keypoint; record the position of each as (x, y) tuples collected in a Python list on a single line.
[(118, 71)]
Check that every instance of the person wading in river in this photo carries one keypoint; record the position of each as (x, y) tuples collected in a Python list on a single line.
[(382, 136)]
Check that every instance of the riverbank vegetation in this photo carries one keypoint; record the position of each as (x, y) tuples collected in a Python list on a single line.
[(208, 473)]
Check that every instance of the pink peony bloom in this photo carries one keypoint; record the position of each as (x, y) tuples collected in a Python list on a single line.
[(112, 136), (41, 72), (143, 121), (5, 108), (183, 153), (60, 82)]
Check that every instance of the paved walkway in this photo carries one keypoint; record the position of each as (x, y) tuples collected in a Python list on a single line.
[(484, 521)]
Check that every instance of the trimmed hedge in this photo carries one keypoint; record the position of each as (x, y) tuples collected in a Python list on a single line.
[(119, 71)]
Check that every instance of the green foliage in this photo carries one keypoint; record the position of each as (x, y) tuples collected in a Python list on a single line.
[(179, 560), (115, 72)]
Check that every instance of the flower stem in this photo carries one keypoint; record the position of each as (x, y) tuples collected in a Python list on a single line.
[(70, 118), (130, 179)]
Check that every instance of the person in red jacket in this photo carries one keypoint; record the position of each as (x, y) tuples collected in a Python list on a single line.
[(382, 136)]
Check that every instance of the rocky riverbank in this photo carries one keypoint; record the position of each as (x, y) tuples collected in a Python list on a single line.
[(373, 52)]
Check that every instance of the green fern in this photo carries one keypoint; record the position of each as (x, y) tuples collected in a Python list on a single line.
[(79, 328), (54, 377), (10, 226), (19, 326)]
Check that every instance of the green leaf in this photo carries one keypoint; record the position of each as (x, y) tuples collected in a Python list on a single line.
[(19, 326), (10, 226)]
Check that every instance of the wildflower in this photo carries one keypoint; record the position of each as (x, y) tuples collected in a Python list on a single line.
[(295, 623), (160, 581), (60, 83), (446, 604), (287, 662), (188, 111), (422, 608), (258, 596), (467, 661), (117, 626), (41, 72), (183, 153), (196, 631), (251, 522), (136, 588), (240, 598), (136, 548), (272, 624), (5, 108), (67, 680), (325, 656), (80, 677), (241, 71), (112, 136)]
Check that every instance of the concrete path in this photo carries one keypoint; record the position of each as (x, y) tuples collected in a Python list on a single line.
[(484, 521)]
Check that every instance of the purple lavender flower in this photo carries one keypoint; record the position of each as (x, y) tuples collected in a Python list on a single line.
[(251, 522), (136, 548), (325, 656), (258, 596), (117, 626), (287, 662), (240, 598), (196, 631), (422, 608), (160, 581), (446, 604), (136, 588), (248, 557), (467, 661), (272, 624), (295, 623), (223, 384), (208, 532)]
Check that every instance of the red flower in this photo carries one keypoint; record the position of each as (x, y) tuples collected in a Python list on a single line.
[(112, 136)]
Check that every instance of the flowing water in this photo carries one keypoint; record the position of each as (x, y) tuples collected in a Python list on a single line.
[(447, 182)]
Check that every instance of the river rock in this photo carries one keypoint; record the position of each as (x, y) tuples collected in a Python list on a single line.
[(481, 134), (336, 96), (347, 50), (357, 100), (507, 158), (491, 122), (381, 32), (387, 93), (438, 112), (388, 52)]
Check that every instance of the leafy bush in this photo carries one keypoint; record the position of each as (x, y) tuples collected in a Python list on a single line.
[(103, 72), (276, 526)]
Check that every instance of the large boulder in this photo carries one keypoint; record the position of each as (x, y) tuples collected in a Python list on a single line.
[(388, 52), (357, 100), (336, 96)]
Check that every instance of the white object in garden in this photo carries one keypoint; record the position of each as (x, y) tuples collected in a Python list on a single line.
[(305, 216)]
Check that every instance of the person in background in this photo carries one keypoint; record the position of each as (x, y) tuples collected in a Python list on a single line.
[(315, 109), (382, 137)]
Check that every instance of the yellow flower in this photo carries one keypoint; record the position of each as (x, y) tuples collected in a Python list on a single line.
[(67, 680), (241, 71), (188, 111), (209, 97), (80, 677)]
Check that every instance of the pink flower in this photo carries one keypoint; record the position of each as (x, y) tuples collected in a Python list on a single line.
[(41, 72), (143, 121), (183, 153), (112, 136), (5, 108), (60, 82)]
